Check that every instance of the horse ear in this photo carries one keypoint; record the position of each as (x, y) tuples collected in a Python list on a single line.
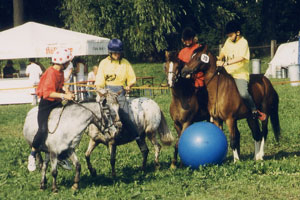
[(102, 92), (167, 55), (205, 47)]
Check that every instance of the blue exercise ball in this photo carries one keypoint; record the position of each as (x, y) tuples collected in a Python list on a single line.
[(202, 143)]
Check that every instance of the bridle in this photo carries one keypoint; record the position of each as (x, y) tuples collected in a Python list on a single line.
[(173, 76), (103, 124)]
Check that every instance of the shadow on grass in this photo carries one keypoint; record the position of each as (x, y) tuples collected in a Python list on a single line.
[(277, 156), (127, 175)]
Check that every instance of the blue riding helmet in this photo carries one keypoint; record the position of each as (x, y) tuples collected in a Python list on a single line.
[(115, 46)]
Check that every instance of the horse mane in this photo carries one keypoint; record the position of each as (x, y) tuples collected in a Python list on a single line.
[(200, 48)]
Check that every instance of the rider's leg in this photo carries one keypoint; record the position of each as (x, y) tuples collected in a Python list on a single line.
[(44, 110), (242, 86)]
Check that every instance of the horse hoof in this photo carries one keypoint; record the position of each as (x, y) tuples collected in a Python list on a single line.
[(93, 172), (173, 166), (54, 190), (75, 186), (157, 166), (42, 187)]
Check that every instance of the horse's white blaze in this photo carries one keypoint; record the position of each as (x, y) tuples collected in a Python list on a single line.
[(170, 74), (235, 156), (259, 149)]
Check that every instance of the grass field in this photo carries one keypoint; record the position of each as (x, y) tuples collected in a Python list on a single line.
[(277, 177)]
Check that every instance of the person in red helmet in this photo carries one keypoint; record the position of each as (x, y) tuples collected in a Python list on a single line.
[(190, 42), (50, 91), (235, 56)]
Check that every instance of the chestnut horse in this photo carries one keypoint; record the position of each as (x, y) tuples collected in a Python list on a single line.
[(225, 103), (186, 107)]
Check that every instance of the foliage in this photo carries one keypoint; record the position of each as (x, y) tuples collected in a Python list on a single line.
[(275, 178)]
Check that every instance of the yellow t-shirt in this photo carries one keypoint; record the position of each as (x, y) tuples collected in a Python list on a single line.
[(232, 50), (114, 73)]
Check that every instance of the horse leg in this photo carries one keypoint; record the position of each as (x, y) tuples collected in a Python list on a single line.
[(91, 147), (234, 138), (152, 137), (259, 146), (112, 150), (53, 159), (77, 165), (39, 159), (257, 136), (144, 149), (178, 128), (44, 170), (218, 123)]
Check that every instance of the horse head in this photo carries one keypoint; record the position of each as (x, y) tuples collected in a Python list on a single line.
[(201, 60), (110, 106), (172, 67)]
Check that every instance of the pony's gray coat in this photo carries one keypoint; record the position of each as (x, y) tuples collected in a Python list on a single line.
[(68, 125), (148, 118)]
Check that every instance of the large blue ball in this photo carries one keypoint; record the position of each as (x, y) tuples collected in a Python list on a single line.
[(202, 143)]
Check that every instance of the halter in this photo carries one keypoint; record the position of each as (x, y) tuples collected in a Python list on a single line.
[(171, 72)]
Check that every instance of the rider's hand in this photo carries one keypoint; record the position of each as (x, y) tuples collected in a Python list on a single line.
[(220, 63), (127, 88), (69, 96)]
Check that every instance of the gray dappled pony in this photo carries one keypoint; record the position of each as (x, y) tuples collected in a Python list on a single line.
[(148, 118), (67, 125)]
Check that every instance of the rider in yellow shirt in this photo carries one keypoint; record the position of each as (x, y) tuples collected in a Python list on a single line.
[(236, 54), (116, 74)]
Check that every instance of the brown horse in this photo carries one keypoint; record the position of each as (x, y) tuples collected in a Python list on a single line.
[(185, 107), (225, 103)]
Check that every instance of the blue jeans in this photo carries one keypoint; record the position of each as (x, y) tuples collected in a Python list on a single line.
[(124, 110), (242, 86)]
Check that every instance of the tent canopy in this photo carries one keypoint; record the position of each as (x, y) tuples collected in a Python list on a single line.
[(34, 40), (286, 55)]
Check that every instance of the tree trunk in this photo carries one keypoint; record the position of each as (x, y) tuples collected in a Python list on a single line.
[(18, 12)]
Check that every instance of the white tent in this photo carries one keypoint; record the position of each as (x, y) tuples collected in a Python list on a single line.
[(34, 40), (286, 55)]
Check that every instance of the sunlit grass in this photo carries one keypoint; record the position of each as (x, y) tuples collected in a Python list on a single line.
[(275, 178)]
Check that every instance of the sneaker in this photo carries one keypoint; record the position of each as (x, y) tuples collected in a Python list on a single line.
[(65, 164), (31, 163), (260, 115)]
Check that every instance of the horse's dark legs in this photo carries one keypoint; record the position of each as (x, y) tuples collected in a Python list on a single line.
[(112, 150), (91, 147), (257, 136), (44, 170), (178, 130), (77, 165), (39, 159), (53, 158), (234, 138), (218, 123), (144, 149)]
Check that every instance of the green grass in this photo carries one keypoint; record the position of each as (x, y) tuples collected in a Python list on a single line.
[(277, 177)]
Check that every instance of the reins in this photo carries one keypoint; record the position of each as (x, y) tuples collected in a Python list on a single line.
[(103, 128), (217, 72), (51, 132)]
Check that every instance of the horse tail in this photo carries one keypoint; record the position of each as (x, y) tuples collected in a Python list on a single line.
[(166, 136), (274, 115)]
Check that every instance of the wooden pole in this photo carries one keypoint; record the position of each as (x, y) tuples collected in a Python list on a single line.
[(273, 48)]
